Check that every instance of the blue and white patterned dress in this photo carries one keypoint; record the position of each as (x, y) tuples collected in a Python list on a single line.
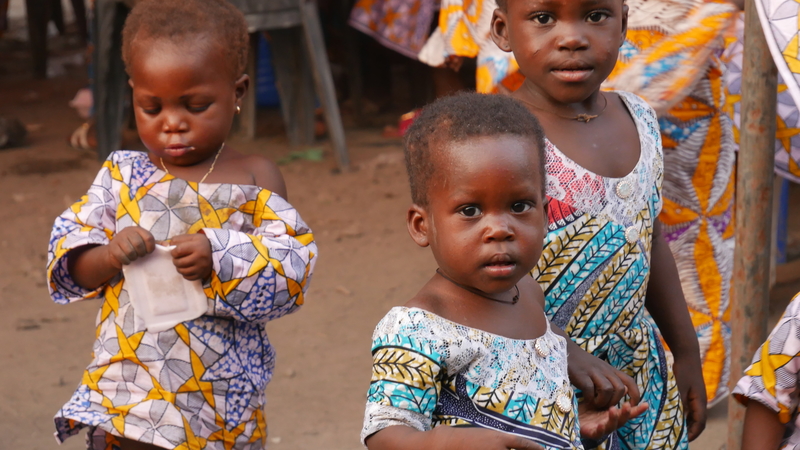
[(199, 385), (594, 271), (428, 371)]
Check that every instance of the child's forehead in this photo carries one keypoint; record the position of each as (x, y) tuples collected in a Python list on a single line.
[(510, 149), (186, 49)]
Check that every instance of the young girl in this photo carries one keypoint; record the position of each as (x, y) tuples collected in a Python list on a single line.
[(769, 388), (473, 349), (604, 172), (198, 385)]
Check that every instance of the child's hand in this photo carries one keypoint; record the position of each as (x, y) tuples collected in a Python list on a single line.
[(128, 245), (448, 438), (485, 439), (689, 377), (192, 256), (602, 385), (598, 423)]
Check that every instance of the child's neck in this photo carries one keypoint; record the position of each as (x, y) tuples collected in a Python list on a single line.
[(570, 107)]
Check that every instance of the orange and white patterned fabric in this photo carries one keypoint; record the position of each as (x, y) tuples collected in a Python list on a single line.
[(670, 57)]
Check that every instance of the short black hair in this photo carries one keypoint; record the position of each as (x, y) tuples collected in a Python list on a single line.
[(503, 5), (177, 20), (458, 118)]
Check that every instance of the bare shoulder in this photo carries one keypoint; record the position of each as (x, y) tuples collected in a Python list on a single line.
[(264, 172)]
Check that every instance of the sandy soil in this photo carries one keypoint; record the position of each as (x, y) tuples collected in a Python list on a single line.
[(367, 265)]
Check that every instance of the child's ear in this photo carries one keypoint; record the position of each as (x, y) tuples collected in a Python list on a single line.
[(417, 222), (499, 30), (624, 24), (130, 82), (240, 88)]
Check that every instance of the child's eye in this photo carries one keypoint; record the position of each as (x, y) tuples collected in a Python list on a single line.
[(470, 211), (597, 16), (520, 207), (197, 108), (543, 19), (152, 111)]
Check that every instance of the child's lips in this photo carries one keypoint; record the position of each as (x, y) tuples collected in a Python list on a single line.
[(178, 150), (572, 75), (500, 268)]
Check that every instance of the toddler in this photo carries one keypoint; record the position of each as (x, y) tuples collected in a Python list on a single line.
[(473, 349), (200, 384)]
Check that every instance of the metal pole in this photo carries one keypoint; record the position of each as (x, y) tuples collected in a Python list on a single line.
[(754, 180)]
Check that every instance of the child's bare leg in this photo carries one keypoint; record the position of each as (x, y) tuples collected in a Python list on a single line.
[(127, 444)]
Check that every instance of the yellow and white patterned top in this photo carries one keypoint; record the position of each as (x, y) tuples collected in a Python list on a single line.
[(774, 376), (199, 385)]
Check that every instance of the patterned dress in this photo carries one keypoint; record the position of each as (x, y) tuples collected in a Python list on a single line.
[(428, 371), (774, 376), (670, 57), (594, 272), (199, 385)]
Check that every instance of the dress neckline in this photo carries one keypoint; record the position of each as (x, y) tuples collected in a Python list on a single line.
[(146, 157), (639, 130), (548, 331)]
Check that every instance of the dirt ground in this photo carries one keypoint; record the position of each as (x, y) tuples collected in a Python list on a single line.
[(367, 265)]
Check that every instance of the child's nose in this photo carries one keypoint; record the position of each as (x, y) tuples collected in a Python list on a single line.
[(571, 38), (174, 123), (498, 228)]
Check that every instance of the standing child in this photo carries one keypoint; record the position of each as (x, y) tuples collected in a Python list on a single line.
[(200, 384), (473, 349), (605, 258), (770, 388)]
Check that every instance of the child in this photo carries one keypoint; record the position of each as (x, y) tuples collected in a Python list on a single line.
[(772, 380), (201, 384), (473, 348), (604, 172)]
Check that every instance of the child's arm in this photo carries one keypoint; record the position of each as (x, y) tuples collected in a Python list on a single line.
[(666, 303), (602, 386), (78, 258), (258, 275), (762, 428), (769, 387), (93, 265), (447, 438)]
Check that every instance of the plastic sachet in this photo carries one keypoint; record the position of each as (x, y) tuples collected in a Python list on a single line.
[(160, 296)]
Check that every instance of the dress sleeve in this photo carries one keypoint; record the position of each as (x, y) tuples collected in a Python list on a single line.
[(261, 275), (406, 379), (92, 220), (772, 378)]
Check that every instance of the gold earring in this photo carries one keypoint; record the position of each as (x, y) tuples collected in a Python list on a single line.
[(238, 109)]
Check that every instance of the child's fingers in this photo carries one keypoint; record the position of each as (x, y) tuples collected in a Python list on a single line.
[(696, 418), (631, 387), (604, 391)]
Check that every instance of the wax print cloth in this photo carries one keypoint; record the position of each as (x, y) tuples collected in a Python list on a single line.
[(774, 376), (428, 371), (462, 30), (199, 385), (671, 58), (787, 134), (594, 271)]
